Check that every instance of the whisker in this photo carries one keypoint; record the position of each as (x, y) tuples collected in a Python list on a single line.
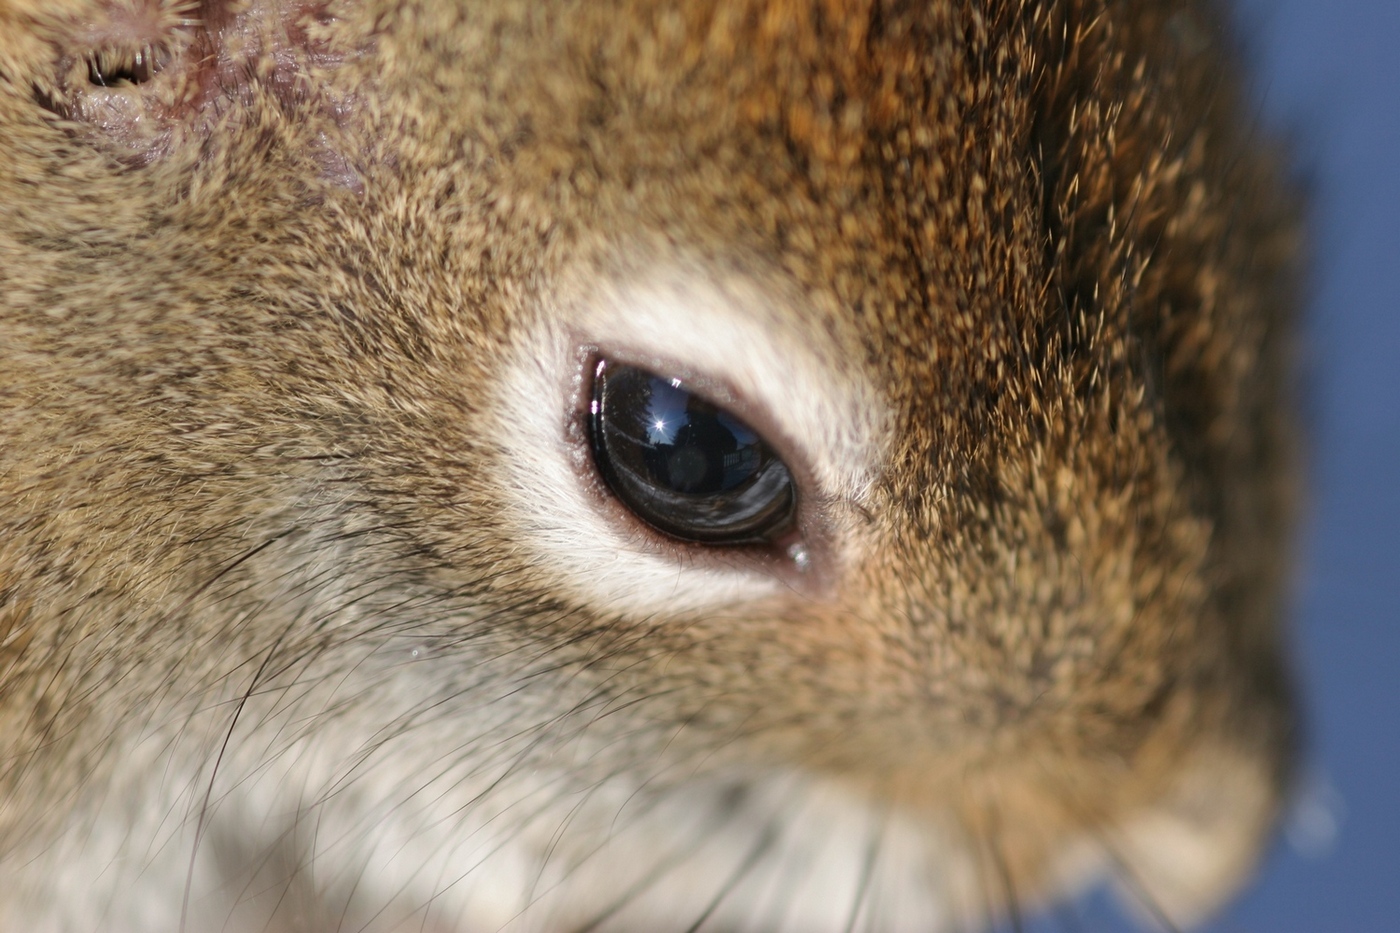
[(202, 822), (1132, 881), (637, 889), (867, 871), (1121, 866), (761, 848), (1003, 889)]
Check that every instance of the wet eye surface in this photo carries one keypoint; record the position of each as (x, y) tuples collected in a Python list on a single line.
[(684, 465)]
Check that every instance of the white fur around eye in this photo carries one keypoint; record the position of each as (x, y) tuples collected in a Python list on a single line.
[(690, 321)]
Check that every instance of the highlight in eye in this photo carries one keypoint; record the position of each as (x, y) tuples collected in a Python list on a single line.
[(682, 464)]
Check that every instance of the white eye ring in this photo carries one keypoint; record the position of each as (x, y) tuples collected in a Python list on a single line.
[(746, 353)]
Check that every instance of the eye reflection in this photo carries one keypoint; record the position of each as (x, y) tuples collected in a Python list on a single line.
[(666, 410), (683, 464)]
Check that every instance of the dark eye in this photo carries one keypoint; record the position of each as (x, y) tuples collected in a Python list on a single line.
[(684, 465)]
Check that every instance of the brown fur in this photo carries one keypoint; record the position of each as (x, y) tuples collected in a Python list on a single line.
[(255, 330)]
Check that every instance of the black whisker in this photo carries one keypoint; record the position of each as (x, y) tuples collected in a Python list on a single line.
[(761, 848), (867, 871)]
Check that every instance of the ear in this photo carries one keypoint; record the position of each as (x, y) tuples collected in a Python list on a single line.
[(146, 80)]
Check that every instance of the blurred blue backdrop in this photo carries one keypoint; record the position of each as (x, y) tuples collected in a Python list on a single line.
[(1328, 78), (1329, 73)]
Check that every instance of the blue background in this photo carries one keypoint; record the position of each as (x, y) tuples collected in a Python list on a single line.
[(1329, 74), (1328, 78)]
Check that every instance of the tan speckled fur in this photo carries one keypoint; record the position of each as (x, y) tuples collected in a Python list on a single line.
[(277, 647)]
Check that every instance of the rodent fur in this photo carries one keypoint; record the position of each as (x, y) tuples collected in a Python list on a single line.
[(286, 642)]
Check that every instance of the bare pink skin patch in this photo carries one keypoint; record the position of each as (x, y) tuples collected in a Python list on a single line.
[(142, 78)]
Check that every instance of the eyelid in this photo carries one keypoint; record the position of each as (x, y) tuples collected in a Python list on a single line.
[(717, 392), (742, 343), (803, 559)]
